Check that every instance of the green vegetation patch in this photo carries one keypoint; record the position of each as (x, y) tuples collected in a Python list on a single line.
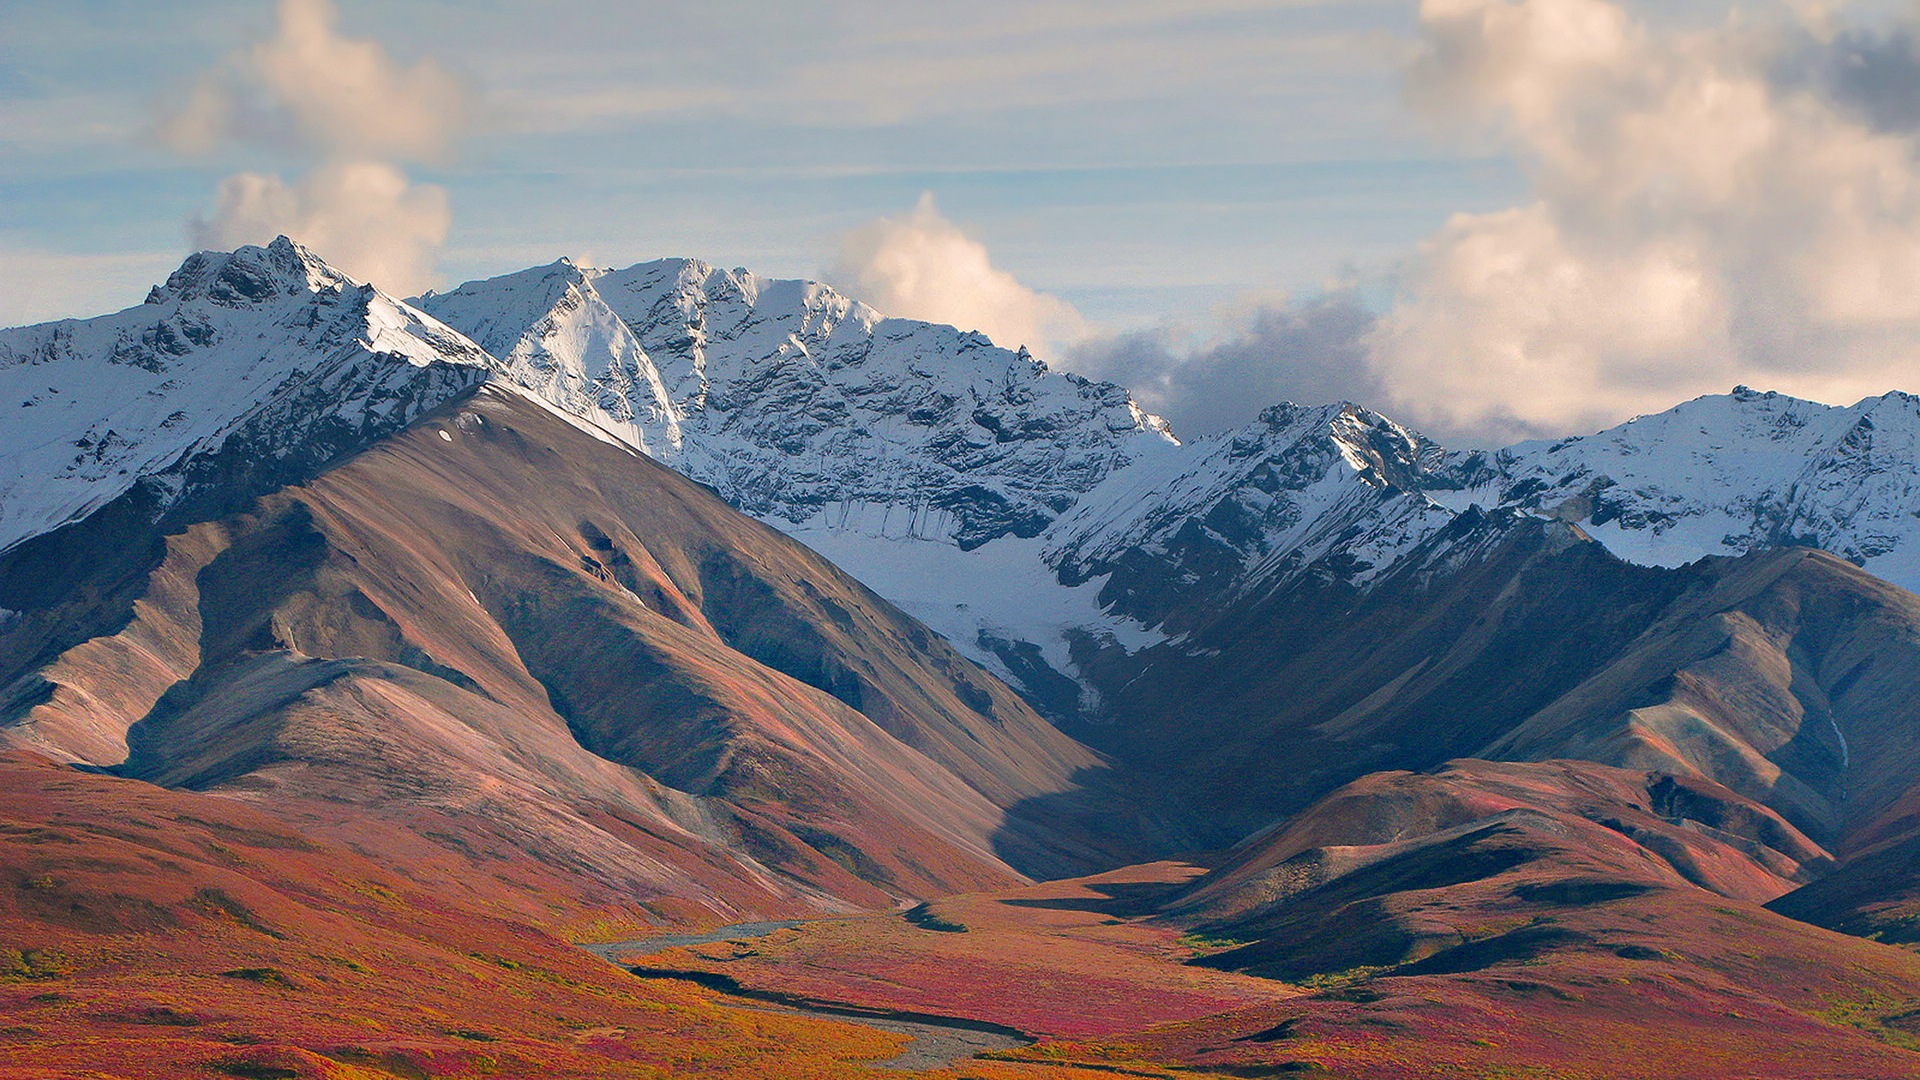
[(253, 1070), (923, 917), (33, 965), (266, 976)]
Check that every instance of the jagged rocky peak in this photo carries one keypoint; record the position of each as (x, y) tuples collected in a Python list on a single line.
[(1377, 450), (1331, 490), (800, 405), (817, 414), (249, 275)]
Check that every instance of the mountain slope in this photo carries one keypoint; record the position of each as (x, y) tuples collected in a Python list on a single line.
[(1785, 675), (498, 628), (1553, 918), (146, 932), (1782, 675)]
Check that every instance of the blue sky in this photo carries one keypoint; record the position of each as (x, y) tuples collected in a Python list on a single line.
[(1136, 158), (1495, 218)]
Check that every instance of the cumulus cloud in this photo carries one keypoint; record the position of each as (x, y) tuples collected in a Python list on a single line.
[(1207, 380), (922, 266), (350, 108), (1204, 374), (362, 216), (1734, 203)]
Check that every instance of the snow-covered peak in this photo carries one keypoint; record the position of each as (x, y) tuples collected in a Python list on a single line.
[(801, 405), (901, 438), (552, 334), (249, 276), (1331, 490), (1722, 475), (265, 352), (500, 310)]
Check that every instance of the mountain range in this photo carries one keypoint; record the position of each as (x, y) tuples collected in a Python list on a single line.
[(676, 596)]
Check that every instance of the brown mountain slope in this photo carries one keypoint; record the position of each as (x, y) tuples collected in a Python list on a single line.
[(1362, 878), (1783, 675), (502, 632), (1873, 893), (1787, 676), (1553, 918)]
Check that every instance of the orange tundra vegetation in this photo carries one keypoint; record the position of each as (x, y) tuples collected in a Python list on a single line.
[(153, 933), (1497, 931)]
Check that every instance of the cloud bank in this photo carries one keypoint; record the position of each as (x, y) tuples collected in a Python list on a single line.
[(1205, 375), (358, 115), (1220, 376), (1736, 203)]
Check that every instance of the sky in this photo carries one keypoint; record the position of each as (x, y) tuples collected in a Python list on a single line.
[(1493, 219)]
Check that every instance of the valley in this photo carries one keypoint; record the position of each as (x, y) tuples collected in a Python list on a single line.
[(672, 672)]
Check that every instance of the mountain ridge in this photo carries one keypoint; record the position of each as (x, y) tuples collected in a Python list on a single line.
[(493, 615), (880, 437)]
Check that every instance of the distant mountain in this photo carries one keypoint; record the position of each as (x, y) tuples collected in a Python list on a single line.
[(906, 451), (1725, 475), (1332, 493)]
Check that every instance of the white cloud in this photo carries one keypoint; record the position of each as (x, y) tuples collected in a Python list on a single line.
[(1204, 374), (315, 90), (1705, 212), (922, 266), (350, 106), (363, 217)]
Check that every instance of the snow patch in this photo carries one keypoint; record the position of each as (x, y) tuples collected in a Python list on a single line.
[(1003, 588)]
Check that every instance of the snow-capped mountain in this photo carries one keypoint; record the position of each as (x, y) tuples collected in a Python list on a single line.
[(803, 407), (1333, 491), (1013, 508), (260, 359), (1724, 475)]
